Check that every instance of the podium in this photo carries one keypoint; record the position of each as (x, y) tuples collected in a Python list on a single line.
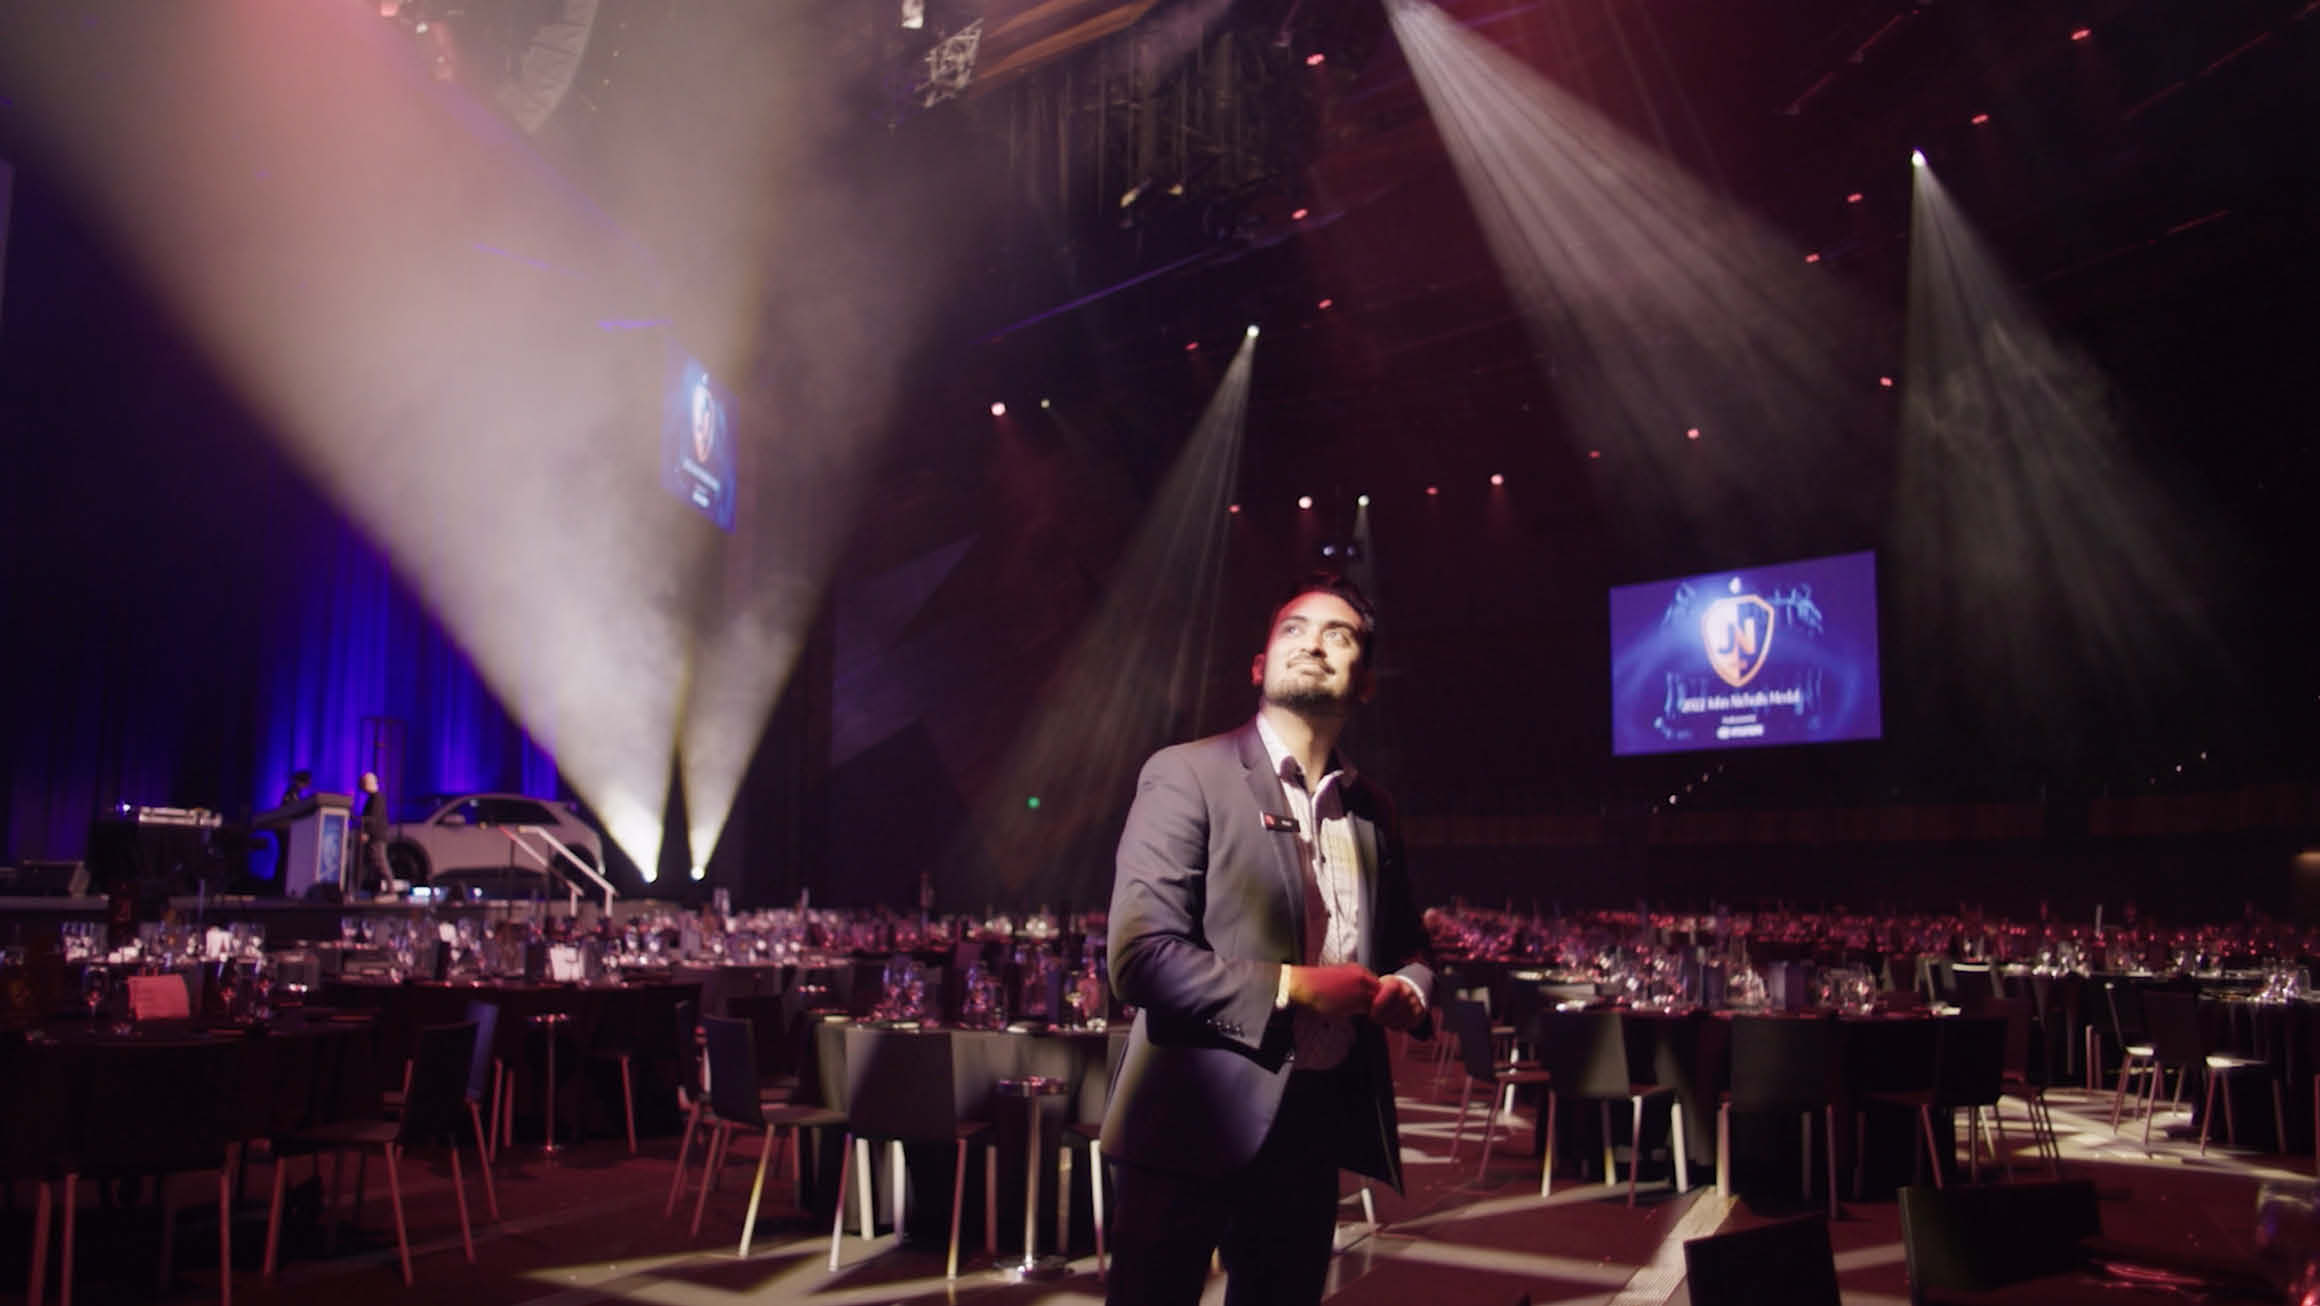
[(317, 839)]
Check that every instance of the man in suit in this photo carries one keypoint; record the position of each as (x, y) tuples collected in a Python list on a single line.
[(1260, 896)]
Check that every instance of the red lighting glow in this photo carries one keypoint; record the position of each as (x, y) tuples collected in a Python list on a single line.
[(1592, 455), (1295, 215), (1690, 433), (2082, 33), (1495, 479), (1813, 257), (1325, 305), (1316, 59), (1235, 510), (1853, 198), (1980, 118), (1190, 346), (1885, 381), (1431, 491)]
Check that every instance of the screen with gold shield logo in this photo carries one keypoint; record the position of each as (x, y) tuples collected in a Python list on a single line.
[(1780, 654)]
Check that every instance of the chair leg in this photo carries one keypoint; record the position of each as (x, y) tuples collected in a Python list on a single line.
[(226, 1224), (36, 1282), (64, 1252), (1998, 1126), (1489, 1134), (2207, 1114), (863, 1197), (838, 1221), (991, 1201), (628, 1100), (1676, 1131), (709, 1171), (1724, 1150), (895, 1181), (1096, 1199), (483, 1163), (395, 1193), (1860, 1154), (1829, 1153), (168, 1229), (459, 1190), (273, 1218), (1634, 1144), (1610, 1159), (1932, 1153), (1458, 1135), (1547, 1164), (1804, 1154), (2230, 1118), (958, 1200), (756, 1191)]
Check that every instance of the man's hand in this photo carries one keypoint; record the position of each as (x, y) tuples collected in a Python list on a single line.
[(1342, 990), (1396, 1005)]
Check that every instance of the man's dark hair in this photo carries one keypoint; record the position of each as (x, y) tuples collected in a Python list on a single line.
[(1329, 582)]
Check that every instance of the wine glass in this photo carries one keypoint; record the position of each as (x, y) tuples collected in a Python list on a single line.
[(94, 987)]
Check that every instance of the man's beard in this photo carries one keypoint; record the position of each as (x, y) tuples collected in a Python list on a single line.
[(1307, 698)]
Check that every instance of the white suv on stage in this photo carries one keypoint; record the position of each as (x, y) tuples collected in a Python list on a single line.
[(487, 839)]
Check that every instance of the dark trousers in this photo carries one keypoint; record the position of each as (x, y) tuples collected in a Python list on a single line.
[(1274, 1219)]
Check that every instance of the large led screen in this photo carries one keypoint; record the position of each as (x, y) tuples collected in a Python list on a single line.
[(1783, 654), (697, 445)]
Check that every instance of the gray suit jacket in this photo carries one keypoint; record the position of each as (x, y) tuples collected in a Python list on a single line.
[(1207, 906)]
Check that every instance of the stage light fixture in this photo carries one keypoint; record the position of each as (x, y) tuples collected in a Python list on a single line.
[(1813, 257), (1917, 158), (1191, 346), (1297, 215), (1853, 198), (1497, 478), (1326, 304), (1691, 433), (998, 410), (1233, 509), (1032, 802), (1046, 404), (1885, 381), (1252, 330), (2081, 33), (1433, 491), (1361, 501), (700, 872), (1316, 59), (1305, 501), (1593, 454), (1979, 119)]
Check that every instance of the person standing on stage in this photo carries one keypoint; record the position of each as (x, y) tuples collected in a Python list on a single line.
[(1262, 923), (375, 875)]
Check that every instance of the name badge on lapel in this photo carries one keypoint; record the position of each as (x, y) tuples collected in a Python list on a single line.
[(1283, 824)]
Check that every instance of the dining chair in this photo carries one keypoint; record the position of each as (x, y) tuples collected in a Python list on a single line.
[(2025, 1080), (1084, 1133), (1584, 1054), (1979, 1240), (482, 1073), (2179, 1042), (158, 1109), (1784, 1064), (692, 1092), (900, 1088), (2124, 1005), (1786, 1263), (1478, 1056), (1969, 1062), (729, 1046), (443, 1067)]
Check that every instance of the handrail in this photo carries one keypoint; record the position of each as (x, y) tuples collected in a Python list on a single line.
[(516, 835)]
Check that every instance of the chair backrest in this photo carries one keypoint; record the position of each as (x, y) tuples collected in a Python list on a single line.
[(1962, 1239), (730, 1042), (1469, 1022), (772, 1022), (1973, 983), (442, 1066), (485, 1017), (1783, 1063), (899, 1085), (1585, 1053), (2125, 1003), (2016, 1013), (2171, 1021), (1789, 1263), (1969, 1061)]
